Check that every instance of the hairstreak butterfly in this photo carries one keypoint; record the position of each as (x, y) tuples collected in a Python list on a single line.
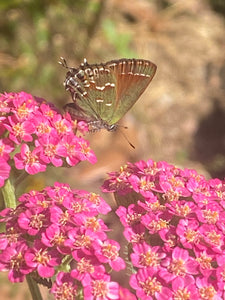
[(103, 93)]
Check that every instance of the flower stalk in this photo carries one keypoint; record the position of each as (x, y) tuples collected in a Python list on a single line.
[(8, 193), (34, 289)]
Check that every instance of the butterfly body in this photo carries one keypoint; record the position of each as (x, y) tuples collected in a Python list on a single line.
[(103, 93)]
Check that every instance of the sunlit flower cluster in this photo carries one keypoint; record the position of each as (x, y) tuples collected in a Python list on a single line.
[(174, 219), (60, 227), (175, 225), (33, 134)]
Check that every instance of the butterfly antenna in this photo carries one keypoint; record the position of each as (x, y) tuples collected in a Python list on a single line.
[(85, 63), (124, 135), (63, 63)]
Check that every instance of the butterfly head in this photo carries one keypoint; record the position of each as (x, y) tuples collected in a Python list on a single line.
[(97, 125)]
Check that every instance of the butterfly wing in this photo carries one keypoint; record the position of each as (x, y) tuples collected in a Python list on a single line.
[(107, 91), (132, 77), (93, 89)]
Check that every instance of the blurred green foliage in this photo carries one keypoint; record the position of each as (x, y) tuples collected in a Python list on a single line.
[(34, 34), (120, 41)]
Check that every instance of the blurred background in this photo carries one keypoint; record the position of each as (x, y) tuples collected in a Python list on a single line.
[(181, 116)]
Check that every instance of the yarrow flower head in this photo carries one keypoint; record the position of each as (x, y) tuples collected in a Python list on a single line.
[(173, 219), (33, 135), (55, 226), (174, 222)]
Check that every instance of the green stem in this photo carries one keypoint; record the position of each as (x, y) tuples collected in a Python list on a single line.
[(9, 196), (8, 193), (34, 289)]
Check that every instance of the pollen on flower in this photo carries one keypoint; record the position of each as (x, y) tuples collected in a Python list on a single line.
[(177, 267), (3, 107), (182, 210), (83, 241), (205, 261), (182, 294), (59, 240), (171, 241), (94, 198), (192, 235), (85, 266), (85, 149), (74, 124), (171, 195), (146, 185), (207, 292), (124, 171), (2, 148), (37, 221), (158, 225), (176, 182), (50, 150), (133, 218), (42, 257), (61, 127), (149, 259), (66, 291), (23, 111), (100, 288), (110, 251), (43, 128), (18, 129), (137, 238), (211, 216), (151, 170), (49, 113), (12, 235), (78, 207), (92, 223), (30, 158), (220, 194), (155, 206), (17, 261), (151, 286), (214, 238), (64, 217), (70, 148)]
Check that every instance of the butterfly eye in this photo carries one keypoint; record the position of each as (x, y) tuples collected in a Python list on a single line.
[(80, 75)]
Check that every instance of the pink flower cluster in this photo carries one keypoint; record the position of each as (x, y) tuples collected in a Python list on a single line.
[(33, 134), (60, 227), (175, 226)]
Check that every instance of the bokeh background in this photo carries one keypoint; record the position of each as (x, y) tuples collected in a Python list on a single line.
[(181, 116)]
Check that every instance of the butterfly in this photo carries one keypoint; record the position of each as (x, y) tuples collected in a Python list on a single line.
[(103, 93)]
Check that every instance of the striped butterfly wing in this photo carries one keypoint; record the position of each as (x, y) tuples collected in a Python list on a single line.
[(105, 92), (93, 89), (132, 78)]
